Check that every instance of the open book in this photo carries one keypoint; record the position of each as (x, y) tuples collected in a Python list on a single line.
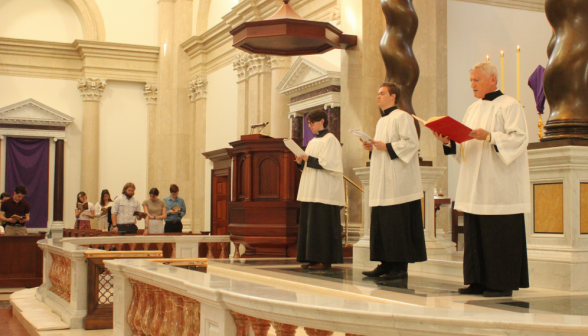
[(448, 127), (104, 211), (176, 208), (292, 146), (82, 206), (360, 134), (17, 217), (140, 215)]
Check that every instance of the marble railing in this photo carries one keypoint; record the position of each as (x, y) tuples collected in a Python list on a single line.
[(181, 246), (65, 268), (154, 311)]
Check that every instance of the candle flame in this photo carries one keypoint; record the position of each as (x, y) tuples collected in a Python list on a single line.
[(502, 53), (487, 58), (518, 48)]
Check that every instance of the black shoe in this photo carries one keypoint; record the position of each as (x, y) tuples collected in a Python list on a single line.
[(494, 293), (473, 289), (395, 275), (378, 271)]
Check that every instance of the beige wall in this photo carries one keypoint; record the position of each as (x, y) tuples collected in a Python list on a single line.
[(130, 21), (123, 140), (46, 20)]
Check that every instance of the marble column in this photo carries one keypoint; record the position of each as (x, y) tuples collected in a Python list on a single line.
[(279, 103), (259, 98), (174, 133), (151, 97), (362, 72), (91, 90), (240, 66), (58, 225), (197, 88)]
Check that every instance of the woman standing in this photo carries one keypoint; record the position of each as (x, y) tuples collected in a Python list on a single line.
[(102, 210), (156, 210), (83, 215), (321, 192)]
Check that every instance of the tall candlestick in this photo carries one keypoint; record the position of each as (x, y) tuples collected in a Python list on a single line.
[(519, 73), (502, 71)]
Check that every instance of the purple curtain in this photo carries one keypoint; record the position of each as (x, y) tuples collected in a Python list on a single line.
[(27, 163)]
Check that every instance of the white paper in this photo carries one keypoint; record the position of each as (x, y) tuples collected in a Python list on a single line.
[(294, 147), (360, 134)]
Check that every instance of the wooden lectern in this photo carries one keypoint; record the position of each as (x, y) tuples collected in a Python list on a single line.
[(263, 212)]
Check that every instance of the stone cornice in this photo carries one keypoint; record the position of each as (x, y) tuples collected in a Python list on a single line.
[(530, 5), (125, 62)]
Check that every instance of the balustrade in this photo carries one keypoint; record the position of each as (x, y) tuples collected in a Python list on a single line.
[(60, 276)]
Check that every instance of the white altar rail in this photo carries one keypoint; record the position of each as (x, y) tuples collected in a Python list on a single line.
[(156, 299), (65, 282)]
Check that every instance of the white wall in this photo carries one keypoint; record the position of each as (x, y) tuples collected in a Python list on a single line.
[(218, 9), (474, 31), (123, 145), (63, 96), (129, 21), (221, 119), (45, 20)]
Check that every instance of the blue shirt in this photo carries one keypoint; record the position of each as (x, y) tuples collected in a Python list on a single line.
[(169, 202)]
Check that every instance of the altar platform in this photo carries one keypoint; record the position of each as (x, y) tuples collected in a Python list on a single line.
[(277, 292)]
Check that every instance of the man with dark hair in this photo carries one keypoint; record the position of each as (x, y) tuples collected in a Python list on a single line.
[(123, 211), (176, 210), (14, 213), (396, 234)]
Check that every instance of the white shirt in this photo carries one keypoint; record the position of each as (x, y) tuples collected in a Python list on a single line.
[(124, 208), (98, 209), (396, 181), (85, 213), (490, 182), (323, 185)]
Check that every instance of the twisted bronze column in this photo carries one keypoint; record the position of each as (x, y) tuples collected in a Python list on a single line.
[(566, 76), (402, 68)]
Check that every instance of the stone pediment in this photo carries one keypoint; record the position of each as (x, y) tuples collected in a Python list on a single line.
[(309, 73), (32, 112)]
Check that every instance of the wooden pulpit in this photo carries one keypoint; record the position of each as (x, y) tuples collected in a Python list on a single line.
[(263, 212)]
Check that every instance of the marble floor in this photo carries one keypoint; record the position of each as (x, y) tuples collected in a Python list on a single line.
[(420, 289)]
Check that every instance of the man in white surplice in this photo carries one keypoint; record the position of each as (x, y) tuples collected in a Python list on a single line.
[(396, 234), (493, 189)]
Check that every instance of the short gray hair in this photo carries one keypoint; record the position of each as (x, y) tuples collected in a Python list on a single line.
[(487, 68)]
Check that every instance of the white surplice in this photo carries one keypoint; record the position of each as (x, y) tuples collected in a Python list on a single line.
[(395, 181), (323, 185), (490, 182)]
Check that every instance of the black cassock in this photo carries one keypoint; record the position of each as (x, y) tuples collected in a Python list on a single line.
[(319, 229), (396, 233), (495, 251)]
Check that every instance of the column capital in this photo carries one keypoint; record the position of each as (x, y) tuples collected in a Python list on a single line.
[(258, 64), (91, 88), (240, 63), (197, 87), (280, 62), (150, 93)]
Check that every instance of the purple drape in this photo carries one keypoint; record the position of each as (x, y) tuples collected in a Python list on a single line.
[(536, 83), (27, 163)]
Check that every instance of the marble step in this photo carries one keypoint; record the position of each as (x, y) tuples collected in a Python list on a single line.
[(34, 315)]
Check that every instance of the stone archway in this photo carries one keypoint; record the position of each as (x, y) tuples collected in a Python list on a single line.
[(90, 19)]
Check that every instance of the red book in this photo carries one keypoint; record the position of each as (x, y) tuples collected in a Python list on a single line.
[(448, 127)]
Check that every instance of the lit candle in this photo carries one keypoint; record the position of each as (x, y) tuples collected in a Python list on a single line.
[(487, 58), (502, 71), (519, 73)]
